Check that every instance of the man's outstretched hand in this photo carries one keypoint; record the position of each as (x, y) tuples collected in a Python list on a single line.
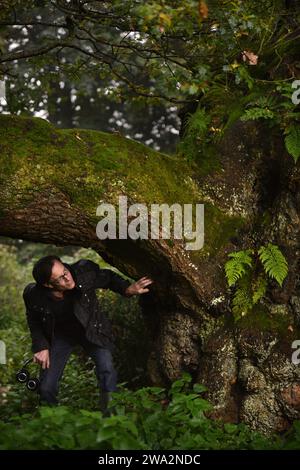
[(139, 287)]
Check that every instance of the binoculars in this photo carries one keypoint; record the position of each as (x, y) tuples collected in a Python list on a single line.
[(23, 376)]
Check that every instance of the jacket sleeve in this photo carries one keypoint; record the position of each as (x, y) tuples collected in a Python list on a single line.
[(39, 341), (108, 279)]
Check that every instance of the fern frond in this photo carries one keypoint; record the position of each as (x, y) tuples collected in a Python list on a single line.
[(275, 264), (241, 303), (292, 142), (259, 288), (257, 113), (236, 267)]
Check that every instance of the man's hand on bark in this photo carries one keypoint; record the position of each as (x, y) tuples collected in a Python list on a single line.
[(139, 287), (43, 358)]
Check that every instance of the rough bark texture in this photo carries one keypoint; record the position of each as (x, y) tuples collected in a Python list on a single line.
[(51, 183)]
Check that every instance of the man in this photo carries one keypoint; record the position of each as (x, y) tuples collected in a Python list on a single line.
[(62, 310)]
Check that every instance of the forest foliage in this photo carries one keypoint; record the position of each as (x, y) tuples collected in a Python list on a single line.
[(214, 61)]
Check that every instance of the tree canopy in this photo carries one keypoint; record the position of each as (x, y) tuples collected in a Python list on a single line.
[(182, 46), (239, 56)]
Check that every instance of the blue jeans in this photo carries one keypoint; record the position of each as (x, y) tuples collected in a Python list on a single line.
[(60, 352)]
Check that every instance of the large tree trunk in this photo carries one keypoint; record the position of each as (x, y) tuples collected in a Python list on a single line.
[(51, 184)]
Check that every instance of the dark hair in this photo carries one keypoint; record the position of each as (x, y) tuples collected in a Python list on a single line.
[(42, 269)]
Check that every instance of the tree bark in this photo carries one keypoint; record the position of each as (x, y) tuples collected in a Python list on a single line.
[(50, 186)]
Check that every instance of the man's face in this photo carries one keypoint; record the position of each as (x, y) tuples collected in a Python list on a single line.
[(61, 279)]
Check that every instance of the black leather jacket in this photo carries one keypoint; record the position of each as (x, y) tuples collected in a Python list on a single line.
[(88, 277)]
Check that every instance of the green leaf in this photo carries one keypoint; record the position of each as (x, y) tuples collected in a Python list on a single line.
[(292, 142), (257, 113), (236, 267), (259, 288), (274, 262), (242, 302), (199, 388)]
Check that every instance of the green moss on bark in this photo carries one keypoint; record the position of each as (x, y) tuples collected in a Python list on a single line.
[(268, 319), (219, 228), (88, 166)]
